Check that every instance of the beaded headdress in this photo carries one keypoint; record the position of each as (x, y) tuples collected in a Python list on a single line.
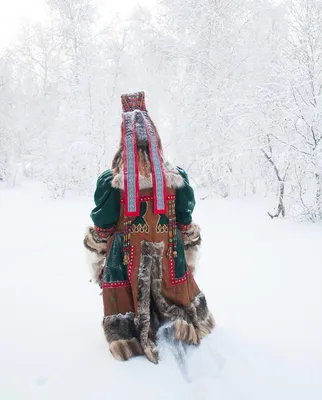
[(137, 126)]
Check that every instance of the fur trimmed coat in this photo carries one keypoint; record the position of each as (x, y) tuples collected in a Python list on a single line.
[(145, 265)]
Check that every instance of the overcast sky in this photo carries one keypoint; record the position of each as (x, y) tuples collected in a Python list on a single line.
[(14, 13)]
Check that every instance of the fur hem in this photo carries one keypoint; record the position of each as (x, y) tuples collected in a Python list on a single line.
[(206, 322), (151, 352), (173, 179), (134, 334), (207, 325), (120, 332), (186, 332), (119, 327), (123, 350)]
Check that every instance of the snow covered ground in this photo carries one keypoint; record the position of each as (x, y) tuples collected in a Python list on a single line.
[(262, 278)]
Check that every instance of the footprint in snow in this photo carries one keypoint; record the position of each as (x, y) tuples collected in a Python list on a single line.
[(41, 380)]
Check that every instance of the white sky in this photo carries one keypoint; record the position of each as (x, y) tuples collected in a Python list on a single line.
[(15, 13)]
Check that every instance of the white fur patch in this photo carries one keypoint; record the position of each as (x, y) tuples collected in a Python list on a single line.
[(95, 263), (192, 256), (93, 257), (172, 176)]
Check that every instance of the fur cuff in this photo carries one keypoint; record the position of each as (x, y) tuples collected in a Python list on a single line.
[(94, 241), (191, 241), (95, 246)]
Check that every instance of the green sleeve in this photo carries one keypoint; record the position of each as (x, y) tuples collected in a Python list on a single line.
[(185, 201), (107, 200)]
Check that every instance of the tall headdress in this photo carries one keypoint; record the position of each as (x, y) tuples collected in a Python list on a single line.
[(137, 127)]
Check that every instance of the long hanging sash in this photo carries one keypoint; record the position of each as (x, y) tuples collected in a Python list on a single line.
[(131, 170), (131, 173), (159, 182)]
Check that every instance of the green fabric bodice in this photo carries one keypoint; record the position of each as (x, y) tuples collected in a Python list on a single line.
[(107, 201), (107, 213)]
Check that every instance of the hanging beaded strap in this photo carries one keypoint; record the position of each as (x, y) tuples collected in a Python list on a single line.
[(172, 244), (159, 181), (127, 240), (131, 175)]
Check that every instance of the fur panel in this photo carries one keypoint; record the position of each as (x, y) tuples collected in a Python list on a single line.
[(167, 310), (95, 263), (191, 237), (119, 327), (95, 253), (200, 303), (151, 352), (206, 321), (94, 242), (173, 179), (192, 255), (149, 252), (186, 332), (144, 286), (207, 325), (123, 350), (188, 325)]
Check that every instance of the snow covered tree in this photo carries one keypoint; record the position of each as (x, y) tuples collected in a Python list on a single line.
[(236, 85)]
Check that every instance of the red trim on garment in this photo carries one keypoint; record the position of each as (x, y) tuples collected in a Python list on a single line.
[(149, 198), (104, 233), (113, 285), (184, 228), (131, 263), (173, 279)]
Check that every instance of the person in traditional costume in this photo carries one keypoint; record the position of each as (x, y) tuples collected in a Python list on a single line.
[(143, 245)]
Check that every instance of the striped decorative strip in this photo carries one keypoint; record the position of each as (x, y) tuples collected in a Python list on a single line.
[(131, 176)]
